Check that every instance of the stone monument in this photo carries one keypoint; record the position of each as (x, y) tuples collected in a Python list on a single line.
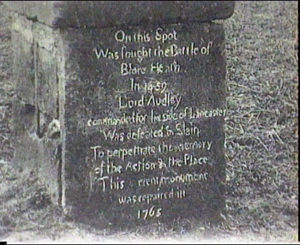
[(120, 107)]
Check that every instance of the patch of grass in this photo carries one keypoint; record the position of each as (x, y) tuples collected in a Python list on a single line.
[(261, 130)]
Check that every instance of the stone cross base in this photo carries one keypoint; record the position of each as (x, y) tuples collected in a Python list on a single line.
[(120, 107)]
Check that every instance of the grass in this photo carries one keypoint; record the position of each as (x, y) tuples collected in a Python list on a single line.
[(262, 137), (261, 145)]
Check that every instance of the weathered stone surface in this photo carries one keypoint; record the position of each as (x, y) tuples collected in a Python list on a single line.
[(123, 124), (24, 116), (49, 166), (35, 105), (77, 14), (47, 84), (92, 91), (23, 61)]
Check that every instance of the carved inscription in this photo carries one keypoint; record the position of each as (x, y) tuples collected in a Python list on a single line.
[(157, 144)]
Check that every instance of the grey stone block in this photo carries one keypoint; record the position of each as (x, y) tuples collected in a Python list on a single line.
[(46, 84), (77, 14), (122, 83), (23, 63), (92, 89)]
